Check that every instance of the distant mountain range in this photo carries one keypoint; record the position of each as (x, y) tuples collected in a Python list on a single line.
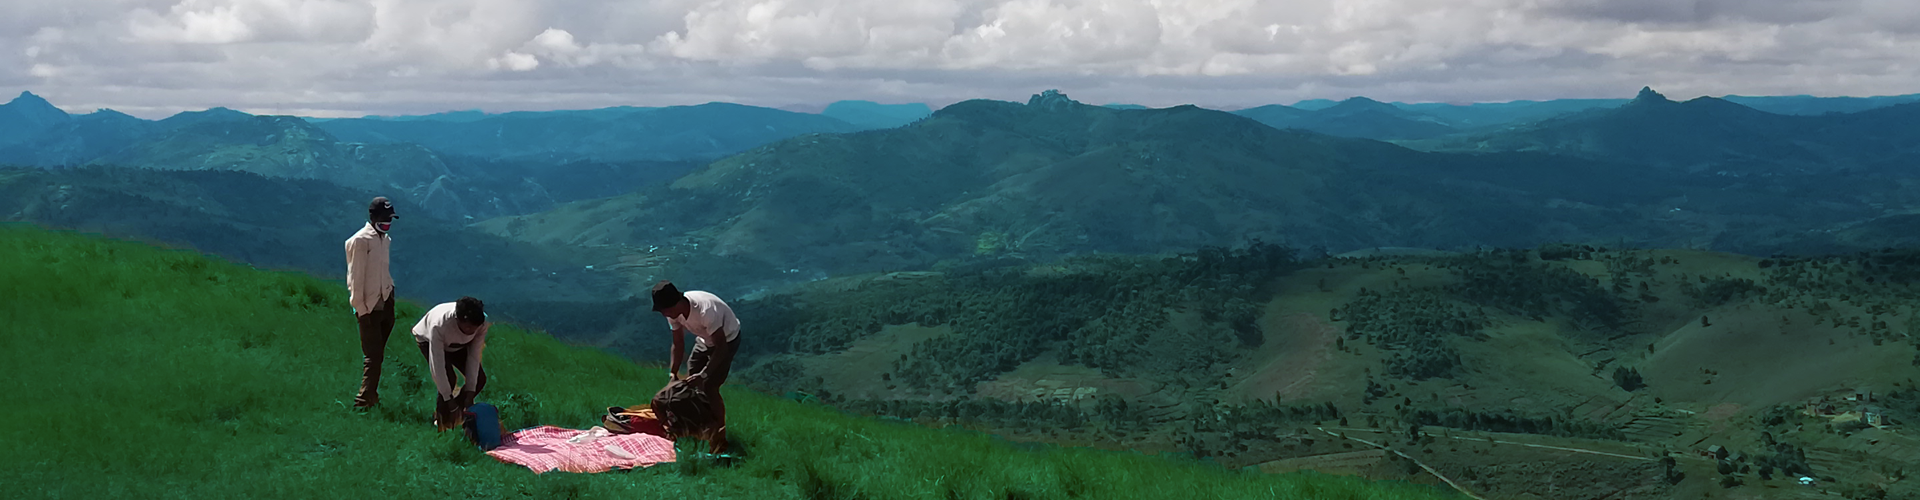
[(1721, 137), (871, 115), (677, 133), (298, 224), (989, 179), (984, 179), (1366, 118), (1357, 117)]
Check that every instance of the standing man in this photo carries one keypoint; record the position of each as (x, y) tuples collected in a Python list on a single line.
[(716, 339), (451, 337), (370, 288)]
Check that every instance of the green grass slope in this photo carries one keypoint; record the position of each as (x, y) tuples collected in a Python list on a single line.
[(136, 372)]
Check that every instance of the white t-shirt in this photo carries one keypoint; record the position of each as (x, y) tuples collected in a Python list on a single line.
[(706, 314), (440, 331)]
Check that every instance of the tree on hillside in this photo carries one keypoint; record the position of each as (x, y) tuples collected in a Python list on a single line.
[(1628, 379)]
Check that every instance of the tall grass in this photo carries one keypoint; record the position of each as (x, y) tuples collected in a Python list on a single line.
[(136, 372)]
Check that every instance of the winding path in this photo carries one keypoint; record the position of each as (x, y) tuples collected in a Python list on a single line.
[(1462, 489)]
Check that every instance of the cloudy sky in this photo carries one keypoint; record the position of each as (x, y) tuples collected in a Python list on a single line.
[(354, 57)]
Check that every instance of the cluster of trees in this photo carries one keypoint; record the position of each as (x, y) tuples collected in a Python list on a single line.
[(1413, 326), (1628, 379), (1024, 415), (1786, 458), (1716, 291), (1506, 280), (1260, 419), (1113, 311), (1902, 405), (1228, 429), (1512, 422)]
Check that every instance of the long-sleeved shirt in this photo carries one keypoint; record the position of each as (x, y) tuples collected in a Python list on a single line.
[(440, 331), (707, 318), (368, 281)]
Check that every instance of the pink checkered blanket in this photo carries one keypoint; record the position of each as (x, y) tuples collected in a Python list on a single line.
[(547, 448)]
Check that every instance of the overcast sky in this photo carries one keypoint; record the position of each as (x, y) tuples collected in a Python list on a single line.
[(354, 57)]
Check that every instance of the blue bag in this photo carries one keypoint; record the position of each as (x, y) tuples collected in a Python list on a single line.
[(483, 426)]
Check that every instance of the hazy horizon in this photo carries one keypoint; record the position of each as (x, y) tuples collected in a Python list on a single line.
[(816, 108)]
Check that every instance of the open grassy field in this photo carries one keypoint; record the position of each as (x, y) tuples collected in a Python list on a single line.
[(138, 372)]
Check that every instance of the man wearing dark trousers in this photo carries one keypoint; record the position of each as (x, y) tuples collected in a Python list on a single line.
[(452, 337), (716, 334), (370, 289)]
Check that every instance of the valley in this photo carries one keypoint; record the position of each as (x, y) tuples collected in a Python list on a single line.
[(1525, 403)]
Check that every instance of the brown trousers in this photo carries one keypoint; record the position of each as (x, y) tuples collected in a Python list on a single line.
[(375, 327), (456, 362), (715, 366)]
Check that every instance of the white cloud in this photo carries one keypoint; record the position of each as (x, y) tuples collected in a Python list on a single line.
[(514, 61), (383, 56), (230, 21)]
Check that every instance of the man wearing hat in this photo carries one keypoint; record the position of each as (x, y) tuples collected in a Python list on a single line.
[(451, 337), (370, 289), (716, 339)]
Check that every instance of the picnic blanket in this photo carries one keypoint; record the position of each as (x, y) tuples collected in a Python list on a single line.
[(547, 448)]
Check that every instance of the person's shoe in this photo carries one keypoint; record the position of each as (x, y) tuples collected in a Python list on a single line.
[(366, 400)]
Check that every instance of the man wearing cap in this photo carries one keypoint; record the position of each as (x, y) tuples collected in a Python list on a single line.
[(451, 337), (370, 289), (716, 339)]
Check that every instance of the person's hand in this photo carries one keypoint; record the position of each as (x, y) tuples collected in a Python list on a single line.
[(464, 400)]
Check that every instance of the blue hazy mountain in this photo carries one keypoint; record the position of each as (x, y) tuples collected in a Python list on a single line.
[(1709, 134), (1358, 117), (873, 115), (674, 133), (26, 116)]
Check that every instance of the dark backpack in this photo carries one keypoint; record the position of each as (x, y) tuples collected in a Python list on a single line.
[(483, 426), (685, 410)]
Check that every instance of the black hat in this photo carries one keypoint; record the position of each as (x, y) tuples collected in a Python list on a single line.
[(665, 295), (470, 310), (381, 210)]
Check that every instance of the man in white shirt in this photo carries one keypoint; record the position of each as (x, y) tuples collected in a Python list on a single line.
[(716, 334), (370, 289), (451, 337)]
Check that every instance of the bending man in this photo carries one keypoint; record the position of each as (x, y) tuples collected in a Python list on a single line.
[(716, 339), (451, 337)]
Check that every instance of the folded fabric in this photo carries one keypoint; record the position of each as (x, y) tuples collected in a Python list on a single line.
[(633, 419), (547, 448)]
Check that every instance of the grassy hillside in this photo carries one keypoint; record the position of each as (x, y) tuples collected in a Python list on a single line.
[(137, 372), (1588, 357)]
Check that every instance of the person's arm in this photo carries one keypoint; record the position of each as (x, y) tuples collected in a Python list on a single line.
[(357, 276), (437, 364), (679, 352)]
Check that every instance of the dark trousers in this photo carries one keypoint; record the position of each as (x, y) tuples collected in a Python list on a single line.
[(714, 363), (375, 327), (456, 362)]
